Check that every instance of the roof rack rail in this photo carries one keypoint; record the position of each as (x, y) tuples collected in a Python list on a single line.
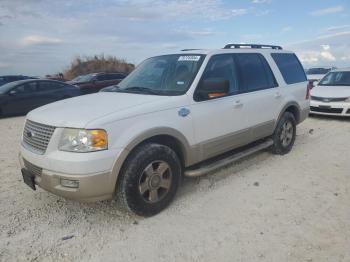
[(228, 46), (191, 49)]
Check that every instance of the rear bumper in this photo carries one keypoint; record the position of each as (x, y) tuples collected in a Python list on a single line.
[(331, 108), (304, 114)]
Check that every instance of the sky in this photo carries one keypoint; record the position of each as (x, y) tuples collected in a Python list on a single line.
[(39, 37)]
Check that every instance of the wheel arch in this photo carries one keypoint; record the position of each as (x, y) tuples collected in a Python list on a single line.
[(293, 108), (166, 136)]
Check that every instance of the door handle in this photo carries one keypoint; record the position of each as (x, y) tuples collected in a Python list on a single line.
[(238, 104)]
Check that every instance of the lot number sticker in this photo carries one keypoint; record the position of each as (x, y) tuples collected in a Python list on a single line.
[(194, 58)]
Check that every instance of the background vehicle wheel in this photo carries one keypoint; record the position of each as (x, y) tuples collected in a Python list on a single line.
[(149, 179), (284, 135)]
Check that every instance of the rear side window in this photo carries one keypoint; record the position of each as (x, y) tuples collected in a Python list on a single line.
[(254, 72), (290, 67)]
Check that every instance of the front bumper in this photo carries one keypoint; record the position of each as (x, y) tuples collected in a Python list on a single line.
[(330, 108), (94, 173)]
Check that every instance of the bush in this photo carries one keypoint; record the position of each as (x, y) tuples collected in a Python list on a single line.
[(95, 64)]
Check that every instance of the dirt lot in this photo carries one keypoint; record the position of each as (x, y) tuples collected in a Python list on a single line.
[(265, 208)]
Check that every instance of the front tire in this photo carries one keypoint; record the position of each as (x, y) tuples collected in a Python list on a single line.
[(149, 179), (284, 135)]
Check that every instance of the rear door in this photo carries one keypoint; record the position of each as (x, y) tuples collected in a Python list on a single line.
[(294, 78), (260, 96), (48, 92)]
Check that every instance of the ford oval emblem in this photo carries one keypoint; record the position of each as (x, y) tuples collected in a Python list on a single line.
[(30, 134), (184, 112)]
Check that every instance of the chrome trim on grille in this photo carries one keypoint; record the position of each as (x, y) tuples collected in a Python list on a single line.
[(32, 168), (329, 99), (37, 136)]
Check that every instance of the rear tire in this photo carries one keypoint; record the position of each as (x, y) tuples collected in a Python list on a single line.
[(149, 179), (284, 135)]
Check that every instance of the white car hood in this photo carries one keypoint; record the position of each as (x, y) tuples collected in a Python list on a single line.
[(77, 112), (331, 91)]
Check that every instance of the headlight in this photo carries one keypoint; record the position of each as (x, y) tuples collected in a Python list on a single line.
[(81, 140)]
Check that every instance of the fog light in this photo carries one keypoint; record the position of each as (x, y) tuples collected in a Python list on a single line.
[(69, 183)]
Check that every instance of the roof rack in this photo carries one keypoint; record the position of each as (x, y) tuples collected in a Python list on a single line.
[(252, 46), (191, 49)]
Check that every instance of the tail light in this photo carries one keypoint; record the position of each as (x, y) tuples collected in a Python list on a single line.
[(308, 89)]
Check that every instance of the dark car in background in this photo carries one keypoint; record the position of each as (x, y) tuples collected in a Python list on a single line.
[(17, 98), (11, 78), (92, 83)]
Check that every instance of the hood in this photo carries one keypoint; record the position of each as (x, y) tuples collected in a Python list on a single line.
[(77, 112), (331, 91)]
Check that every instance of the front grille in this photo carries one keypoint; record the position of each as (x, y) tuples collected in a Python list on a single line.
[(32, 168), (37, 136), (326, 110), (329, 99)]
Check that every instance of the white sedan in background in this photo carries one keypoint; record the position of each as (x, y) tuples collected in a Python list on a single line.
[(332, 94), (317, 73)]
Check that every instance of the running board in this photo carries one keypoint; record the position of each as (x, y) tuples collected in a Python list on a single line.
[(207, 168)]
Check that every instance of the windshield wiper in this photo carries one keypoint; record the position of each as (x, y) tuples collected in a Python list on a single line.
[(140, 89)]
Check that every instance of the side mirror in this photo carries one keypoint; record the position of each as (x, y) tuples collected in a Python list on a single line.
[(213, 87), (12, 92)]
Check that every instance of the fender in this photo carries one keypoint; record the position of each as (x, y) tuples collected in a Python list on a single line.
[(291, 103)]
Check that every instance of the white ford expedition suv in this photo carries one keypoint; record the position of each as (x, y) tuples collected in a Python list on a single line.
[(182, 114)]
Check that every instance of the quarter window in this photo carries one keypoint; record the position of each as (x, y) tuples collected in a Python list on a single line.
[(254, 72), (290, 67)]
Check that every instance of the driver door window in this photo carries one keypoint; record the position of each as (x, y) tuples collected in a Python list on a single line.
[(222, 67), (26, 88)]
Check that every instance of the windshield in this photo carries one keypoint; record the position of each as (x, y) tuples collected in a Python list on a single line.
[(6, 87), (84, 78), (336, 79), (317, 71), (162, 75)]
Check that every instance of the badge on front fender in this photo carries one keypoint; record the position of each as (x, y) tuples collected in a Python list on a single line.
[(184, 112)]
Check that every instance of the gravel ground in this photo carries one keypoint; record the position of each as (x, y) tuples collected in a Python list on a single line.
[(265, 208)]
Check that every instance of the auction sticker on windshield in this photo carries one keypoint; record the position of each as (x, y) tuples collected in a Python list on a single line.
[(189, 58)]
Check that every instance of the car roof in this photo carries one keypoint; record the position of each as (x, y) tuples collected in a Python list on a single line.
[(345, 69), (36, 80), (231, 51)]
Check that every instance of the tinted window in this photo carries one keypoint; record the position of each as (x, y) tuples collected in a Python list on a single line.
[(116, 76), (222, 66), (26, 88), (254, 72), (102, 77), (48, 86), (290, 67)]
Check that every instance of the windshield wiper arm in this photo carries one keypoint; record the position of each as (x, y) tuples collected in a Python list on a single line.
[(141, 89)]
